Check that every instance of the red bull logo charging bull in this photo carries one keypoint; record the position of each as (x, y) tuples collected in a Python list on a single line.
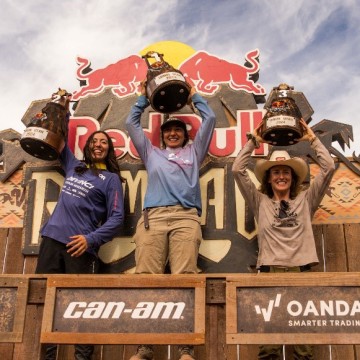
[(206, 72), (123, 77), (202, 70)]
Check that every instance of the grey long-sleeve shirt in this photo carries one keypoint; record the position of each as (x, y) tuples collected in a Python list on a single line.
[(289, 241)]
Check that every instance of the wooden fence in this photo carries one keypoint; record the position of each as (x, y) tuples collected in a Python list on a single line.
[(338, 249)]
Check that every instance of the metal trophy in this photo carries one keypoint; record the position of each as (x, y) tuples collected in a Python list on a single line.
[(281, 123), (45, 135), (166, 87)]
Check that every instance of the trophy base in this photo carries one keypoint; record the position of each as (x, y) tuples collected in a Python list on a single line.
[(41, 143), (281, 130), (168, 92), (281, 136)]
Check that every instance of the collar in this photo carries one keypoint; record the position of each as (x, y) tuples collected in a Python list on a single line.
[(100, 166), (173, 150)]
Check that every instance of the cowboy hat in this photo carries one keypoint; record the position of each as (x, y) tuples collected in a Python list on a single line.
[(281, 157)]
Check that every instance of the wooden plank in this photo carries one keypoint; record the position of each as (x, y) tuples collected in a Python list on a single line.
[(29, 348), (199, 326), (342, 352), (111, 352), (126, 281), (294, 279), (65, 352), (212, 335), (248, 352), (121, 338), (14, 261), (357, 352), (352, 236), (215, 291), (318, 235), (335, 250), (37, 291), (322, 352), (6, 351), (3, 245), (336, 259), (278, 338), (30, 264)]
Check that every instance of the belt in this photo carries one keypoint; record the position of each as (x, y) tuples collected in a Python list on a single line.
[(146, 213), (267, 268)]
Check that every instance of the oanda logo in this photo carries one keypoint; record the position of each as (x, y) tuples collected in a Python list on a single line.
[(319, 308), (114, 310)]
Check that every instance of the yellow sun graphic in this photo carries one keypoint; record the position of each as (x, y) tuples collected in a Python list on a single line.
[(174, 52)]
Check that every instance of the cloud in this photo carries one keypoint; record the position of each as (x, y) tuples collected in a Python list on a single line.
[(312, 45)]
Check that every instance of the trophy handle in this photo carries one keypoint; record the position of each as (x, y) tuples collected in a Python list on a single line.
[(159, 60)]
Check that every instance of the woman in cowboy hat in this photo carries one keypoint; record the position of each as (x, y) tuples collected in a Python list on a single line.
[(284, 211)]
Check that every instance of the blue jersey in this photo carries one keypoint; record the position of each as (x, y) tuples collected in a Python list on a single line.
[(173, 174), (89, 204)]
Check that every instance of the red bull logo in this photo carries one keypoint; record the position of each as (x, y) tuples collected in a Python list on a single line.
[(123, 77), (207, 71), (203, 71)]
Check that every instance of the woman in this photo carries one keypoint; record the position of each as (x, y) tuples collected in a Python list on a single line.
[(169, 227), (89, 212), (284, 211)]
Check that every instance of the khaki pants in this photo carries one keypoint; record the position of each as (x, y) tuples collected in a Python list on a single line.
[(174, 235)]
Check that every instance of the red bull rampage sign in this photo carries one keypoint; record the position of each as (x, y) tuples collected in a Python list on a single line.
[(103, 101)]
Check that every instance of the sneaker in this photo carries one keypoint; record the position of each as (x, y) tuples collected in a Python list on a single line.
[(186, 352), (143, 352)]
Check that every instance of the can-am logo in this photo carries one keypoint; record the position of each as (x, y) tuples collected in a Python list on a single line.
[(315, 308), (114, 310)]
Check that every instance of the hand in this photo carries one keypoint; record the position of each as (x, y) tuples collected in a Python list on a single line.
[(256, 134), (143, 87), (191, 94), (308, 134), (77, 246)]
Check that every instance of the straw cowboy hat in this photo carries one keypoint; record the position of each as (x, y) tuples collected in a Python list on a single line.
[(281, 157)]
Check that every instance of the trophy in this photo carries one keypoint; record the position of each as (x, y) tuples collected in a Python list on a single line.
[(281, 123), (166, 87), (45, 135)]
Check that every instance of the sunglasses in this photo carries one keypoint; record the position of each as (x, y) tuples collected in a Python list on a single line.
[(284, 207)]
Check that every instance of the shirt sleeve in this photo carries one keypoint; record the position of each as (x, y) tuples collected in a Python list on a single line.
[(134, 128), (204, 135), (115, 215), (67, 158), (242, 178), (321, 182)]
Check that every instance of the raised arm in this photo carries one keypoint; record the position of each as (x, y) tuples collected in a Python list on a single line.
[(133, 126), (204, 135)]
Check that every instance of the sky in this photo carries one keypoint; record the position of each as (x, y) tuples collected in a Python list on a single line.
[(313, 45)]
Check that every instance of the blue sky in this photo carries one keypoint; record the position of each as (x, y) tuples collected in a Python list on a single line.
[(312, 45)]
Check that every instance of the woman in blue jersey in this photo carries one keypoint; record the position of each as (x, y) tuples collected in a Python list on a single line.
[(169, 228), (89, 212)]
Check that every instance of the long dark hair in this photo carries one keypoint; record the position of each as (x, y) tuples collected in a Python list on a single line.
[(110, 160), (266, 188)]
